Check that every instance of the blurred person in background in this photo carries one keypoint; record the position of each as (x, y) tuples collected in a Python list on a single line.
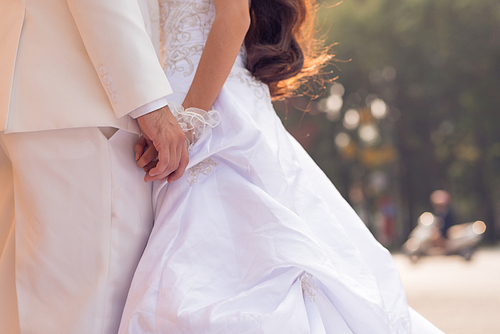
[(441, 202)]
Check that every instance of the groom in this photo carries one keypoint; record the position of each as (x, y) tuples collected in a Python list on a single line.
[(75, 212)]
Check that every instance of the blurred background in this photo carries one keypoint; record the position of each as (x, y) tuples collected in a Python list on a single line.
[(415, 108)]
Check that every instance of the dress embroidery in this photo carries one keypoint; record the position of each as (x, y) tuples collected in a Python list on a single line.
[(308, 287), (399, 325), (203, 167), (406, 326), (245, 77), (393, 323), (185, 26)]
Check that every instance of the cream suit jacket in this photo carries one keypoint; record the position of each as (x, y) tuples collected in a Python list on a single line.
[(77, 63)]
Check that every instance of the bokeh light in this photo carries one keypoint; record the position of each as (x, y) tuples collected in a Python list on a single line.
[(351, 119), (369, 134), (378, 108), (337, 89), (426, 218), (342, 140)]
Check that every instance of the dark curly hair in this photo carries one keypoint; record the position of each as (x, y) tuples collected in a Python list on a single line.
[(281, 49)]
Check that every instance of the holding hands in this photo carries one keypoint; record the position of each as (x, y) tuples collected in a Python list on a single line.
[(162, 151)]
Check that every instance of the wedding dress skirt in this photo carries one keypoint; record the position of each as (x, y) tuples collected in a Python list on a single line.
[(254, 238)]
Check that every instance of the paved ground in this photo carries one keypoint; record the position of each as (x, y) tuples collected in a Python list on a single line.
[(459, 297)]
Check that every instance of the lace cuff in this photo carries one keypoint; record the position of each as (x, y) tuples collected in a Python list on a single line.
[(194, 121)]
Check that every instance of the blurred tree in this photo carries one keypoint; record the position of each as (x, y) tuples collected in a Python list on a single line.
[(437, 65)]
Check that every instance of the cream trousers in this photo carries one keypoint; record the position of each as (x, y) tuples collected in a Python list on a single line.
[(75, 215)]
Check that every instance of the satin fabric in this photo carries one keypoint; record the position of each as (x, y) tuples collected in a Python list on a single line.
[(254, 238)]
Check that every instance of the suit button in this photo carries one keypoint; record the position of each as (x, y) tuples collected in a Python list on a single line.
[(102, 70), (111, 88), (115, 98), (154, 15), (107, 79)]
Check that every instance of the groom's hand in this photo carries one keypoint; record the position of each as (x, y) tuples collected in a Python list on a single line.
[(164, 135)]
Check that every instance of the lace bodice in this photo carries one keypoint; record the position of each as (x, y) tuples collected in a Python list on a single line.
[(184, 29), (185, 25)]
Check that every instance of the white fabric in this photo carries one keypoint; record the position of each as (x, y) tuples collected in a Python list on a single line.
[(149, 107), (82, 217), (254, 238)]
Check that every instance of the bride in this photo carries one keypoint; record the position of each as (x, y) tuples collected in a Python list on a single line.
[(253, 238)]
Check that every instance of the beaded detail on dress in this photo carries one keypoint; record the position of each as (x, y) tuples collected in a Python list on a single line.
[(184, 28), (404, 327), (203, 167), (308, 287), (244, 76)]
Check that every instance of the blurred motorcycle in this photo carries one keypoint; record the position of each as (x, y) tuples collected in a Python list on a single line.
[(426, 238)]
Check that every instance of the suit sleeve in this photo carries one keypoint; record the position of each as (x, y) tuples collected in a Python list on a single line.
[(121, 51)]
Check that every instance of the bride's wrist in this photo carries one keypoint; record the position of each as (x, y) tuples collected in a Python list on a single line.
[(196, 103), (193, 120)]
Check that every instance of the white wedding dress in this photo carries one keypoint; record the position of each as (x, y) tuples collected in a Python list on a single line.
[(254, 238)]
